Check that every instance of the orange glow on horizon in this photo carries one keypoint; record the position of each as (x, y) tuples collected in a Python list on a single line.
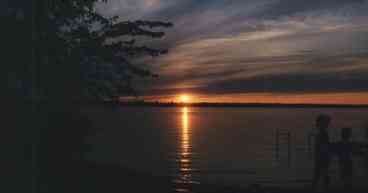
[(297, 98)]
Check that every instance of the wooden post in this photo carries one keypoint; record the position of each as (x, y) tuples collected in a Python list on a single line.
[(289, 147), (309, 144), (310, 138), (277, 144)]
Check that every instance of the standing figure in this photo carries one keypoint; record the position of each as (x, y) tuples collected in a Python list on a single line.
[(365, 150), (345, 153), (321, 152)]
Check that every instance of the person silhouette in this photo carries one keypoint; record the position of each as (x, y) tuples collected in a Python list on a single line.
[(365, 147), (321, 151), (345, 152)]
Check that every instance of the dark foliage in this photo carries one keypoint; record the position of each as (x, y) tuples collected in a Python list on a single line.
[(82, 54), (62, 51)]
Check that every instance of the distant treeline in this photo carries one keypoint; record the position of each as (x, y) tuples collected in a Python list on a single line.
[(232, 105)]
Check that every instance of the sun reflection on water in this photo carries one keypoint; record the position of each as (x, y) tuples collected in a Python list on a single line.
[(185, 143), (185, 152)]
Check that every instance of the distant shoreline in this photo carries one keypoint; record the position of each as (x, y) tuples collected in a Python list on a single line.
[(233, 105), (204, 104)]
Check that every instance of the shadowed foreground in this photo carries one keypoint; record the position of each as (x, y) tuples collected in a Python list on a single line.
[(60, 165), (90, 177)]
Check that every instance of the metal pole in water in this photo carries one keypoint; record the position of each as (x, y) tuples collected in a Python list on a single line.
[(310, 138), (277, 144), (289, 148)]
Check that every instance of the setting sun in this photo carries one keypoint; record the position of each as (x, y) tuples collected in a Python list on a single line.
[(184, 99)]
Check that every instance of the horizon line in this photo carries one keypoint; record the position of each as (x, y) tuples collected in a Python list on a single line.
[(235, 104)]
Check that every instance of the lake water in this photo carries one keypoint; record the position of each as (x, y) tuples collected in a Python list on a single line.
[(227, 146)]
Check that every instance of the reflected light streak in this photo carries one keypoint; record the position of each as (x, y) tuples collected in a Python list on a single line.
[(185, 177), (185, 131), (185, 138)]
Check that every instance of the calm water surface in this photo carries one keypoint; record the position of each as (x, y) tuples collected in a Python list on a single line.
[(229, 146)]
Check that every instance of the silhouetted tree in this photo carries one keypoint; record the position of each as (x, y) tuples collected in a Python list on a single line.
[(81, 53), (63, 50)]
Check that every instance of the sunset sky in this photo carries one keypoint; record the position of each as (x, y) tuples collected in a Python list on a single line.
[(284, 51)]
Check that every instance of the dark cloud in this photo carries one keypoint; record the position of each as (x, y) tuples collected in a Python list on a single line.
[(245, 46), (304, 83), (290, 7), (289, 83)]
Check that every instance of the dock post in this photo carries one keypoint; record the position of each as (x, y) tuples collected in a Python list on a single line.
[(309, 148), (289, 148), (277, 148)]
